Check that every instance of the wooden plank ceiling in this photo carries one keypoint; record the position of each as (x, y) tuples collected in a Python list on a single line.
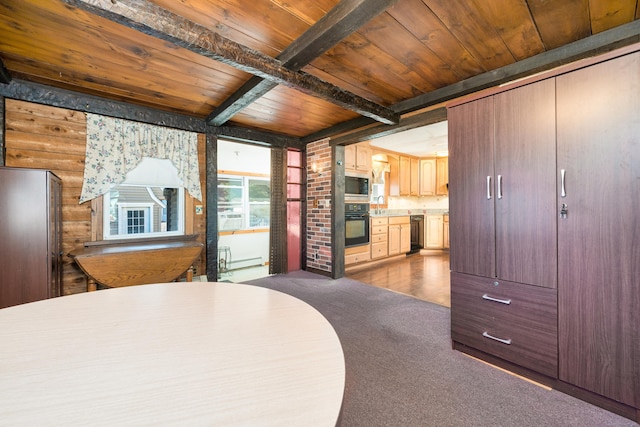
[(305, 69)]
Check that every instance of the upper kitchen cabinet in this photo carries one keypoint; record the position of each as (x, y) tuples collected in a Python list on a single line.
[(403, 175), (599, 228), (408, 176), (442, 176), (502, 185), (428, 177), (357, 158)]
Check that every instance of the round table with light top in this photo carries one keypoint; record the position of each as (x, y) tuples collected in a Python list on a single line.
[(209, 354)]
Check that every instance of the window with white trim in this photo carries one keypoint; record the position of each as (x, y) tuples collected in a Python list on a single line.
[(149, 203), (243, 202)]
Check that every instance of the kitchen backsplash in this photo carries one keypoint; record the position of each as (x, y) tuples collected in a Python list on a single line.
[(416, 205)]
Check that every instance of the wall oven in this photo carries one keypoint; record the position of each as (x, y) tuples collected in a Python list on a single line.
[(356, 187), (356, 224)]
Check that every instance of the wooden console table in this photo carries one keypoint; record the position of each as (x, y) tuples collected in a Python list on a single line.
[(138, 263)]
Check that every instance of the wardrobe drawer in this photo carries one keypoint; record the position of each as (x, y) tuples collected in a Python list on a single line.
[(513, 321)]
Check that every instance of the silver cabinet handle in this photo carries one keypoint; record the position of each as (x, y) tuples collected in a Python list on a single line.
[(563, 193), (503, 341), (489, 187), (501, 301), (499, 186)]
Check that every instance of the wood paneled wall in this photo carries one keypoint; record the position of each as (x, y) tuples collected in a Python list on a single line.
[(44, 137)]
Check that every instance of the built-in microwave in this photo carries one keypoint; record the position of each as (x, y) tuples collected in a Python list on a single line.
[(356, 186)]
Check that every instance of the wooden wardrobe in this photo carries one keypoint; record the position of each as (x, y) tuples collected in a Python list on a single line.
[(544, 181), (31, 235)]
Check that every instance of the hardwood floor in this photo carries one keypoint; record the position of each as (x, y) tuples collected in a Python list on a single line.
[(422, 275)]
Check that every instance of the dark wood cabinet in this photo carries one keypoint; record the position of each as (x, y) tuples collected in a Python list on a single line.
[(502, 185), (471, 205), (513, 321), (544, 206), (31, 244), (599, 239)]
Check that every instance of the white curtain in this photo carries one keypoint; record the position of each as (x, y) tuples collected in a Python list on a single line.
[(116, 146)]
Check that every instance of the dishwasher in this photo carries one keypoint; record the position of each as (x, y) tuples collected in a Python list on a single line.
[(417, 233)]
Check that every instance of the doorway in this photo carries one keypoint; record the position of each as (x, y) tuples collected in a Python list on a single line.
[(244, 199)]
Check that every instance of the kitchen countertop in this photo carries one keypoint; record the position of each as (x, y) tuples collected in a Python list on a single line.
[(407, 212)]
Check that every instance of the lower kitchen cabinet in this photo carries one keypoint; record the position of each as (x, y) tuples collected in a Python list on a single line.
[(445, 229), (379, 237), (356, 254), (434, 232), (399, 235)]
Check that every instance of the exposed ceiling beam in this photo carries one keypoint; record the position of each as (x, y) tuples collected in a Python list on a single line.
[(345, 18), (5, 77), (605, 41), (155, 21), (376, 131), (242, 134)]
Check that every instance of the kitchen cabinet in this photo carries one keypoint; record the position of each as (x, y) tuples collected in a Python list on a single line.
[(405, 176), (599, 237), (399, 235), (445, 227), (357, 254), (414, 167), (357, 158), (408, 176), (379, 237), (31, 230), (428, 177), (434, 237), (442, 176)]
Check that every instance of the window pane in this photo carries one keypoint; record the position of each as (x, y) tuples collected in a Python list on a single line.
[(294, 158), (259, 215), (259, 191), (294, 175), (136, 221), (294, 191), (143, 211)]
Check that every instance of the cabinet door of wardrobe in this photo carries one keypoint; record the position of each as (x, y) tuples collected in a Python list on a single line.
[(525, 164), (599, 230), (471, 191)]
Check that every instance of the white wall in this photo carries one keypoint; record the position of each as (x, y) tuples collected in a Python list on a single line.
[(243, 158)]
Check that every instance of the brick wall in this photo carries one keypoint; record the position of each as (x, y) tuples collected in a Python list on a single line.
[(319, 206)]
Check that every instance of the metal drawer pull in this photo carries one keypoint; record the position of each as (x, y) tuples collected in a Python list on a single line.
[(501, 301), (507, 342), (488, 187)]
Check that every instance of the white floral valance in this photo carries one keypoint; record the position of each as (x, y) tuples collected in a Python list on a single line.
[(116, 146)]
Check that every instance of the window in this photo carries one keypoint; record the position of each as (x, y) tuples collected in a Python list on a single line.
[(243, 202), (134, 211), (149, 203)]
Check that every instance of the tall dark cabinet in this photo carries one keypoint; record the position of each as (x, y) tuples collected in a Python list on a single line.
[(502, 200), (599, 239), (31, 235), (544, 184)]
